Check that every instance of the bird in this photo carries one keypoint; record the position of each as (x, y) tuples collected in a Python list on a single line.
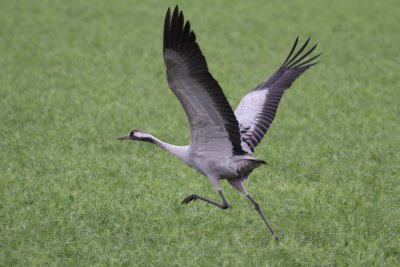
[(222, 141)]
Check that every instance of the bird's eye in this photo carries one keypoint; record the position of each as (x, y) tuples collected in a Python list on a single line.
[(131, 133)]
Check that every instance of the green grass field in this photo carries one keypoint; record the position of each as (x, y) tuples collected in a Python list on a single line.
[(77, 74)]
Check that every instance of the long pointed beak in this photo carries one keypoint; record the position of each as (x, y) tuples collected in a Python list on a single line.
[(125, 137)]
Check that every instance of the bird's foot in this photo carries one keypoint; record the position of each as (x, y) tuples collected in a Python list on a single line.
[(189, 198)]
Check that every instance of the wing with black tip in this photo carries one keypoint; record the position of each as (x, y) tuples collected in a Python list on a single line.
[(214, 128), (257, 109)]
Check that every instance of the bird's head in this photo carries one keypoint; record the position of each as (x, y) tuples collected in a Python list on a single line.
[(135, 134)]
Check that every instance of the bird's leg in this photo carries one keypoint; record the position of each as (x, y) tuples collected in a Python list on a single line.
[(263, 217), (225, 204), (239, 185)]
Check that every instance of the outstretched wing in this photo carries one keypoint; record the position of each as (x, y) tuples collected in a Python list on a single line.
[(257, 109), (213, 125)]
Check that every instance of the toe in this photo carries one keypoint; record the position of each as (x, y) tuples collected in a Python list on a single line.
[(188, 199)]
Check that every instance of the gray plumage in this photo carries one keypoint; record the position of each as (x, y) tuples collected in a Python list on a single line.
[(222, 141)]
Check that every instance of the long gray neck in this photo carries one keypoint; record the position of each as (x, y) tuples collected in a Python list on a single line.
[(179, 151)]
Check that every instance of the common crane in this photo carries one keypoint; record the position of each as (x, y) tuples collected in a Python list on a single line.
[(222, 141)]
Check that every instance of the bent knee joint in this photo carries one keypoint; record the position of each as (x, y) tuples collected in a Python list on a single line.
[(256, 206)]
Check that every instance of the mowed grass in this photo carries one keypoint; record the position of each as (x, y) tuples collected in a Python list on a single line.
[(77, 74)]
